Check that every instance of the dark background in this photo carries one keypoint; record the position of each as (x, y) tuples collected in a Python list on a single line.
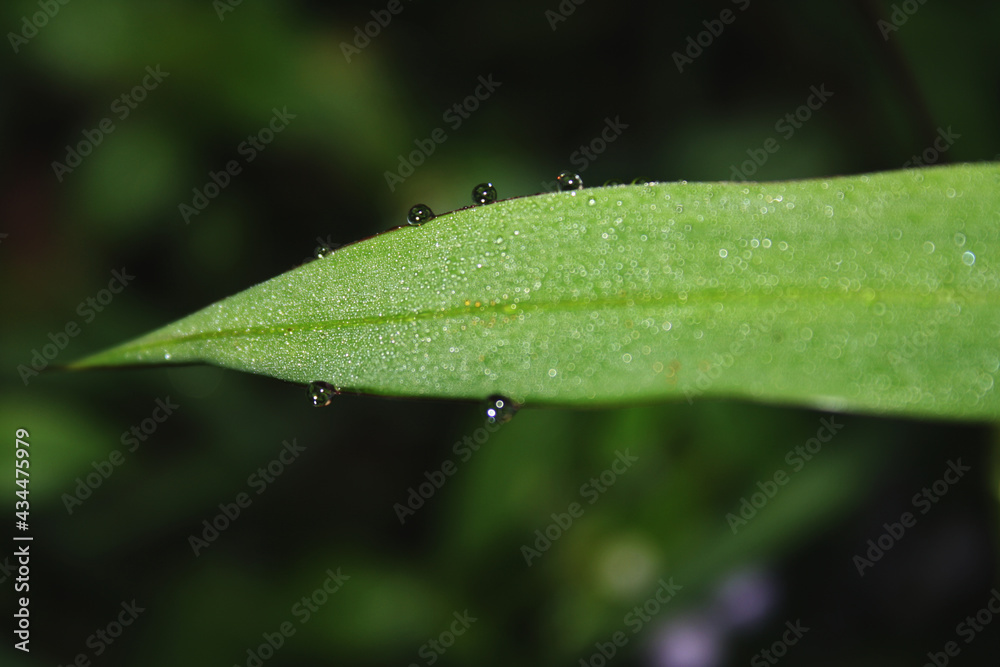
[(322, 179)]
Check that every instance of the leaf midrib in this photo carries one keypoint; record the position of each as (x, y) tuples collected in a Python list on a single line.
[(510, 309)]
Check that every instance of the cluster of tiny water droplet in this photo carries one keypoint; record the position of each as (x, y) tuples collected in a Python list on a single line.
[(706, 240)]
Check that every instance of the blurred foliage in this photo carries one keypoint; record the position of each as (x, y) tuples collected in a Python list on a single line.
[(324, 177)]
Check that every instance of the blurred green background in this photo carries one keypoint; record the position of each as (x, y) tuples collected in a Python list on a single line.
[(563, 71)]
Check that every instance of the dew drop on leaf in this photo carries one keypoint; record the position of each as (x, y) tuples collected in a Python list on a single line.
[(484, 193), (569, 181), (500, 409), (419, 214), (321, 393)]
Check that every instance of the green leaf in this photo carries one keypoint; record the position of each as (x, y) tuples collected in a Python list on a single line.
[(874, 293)]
